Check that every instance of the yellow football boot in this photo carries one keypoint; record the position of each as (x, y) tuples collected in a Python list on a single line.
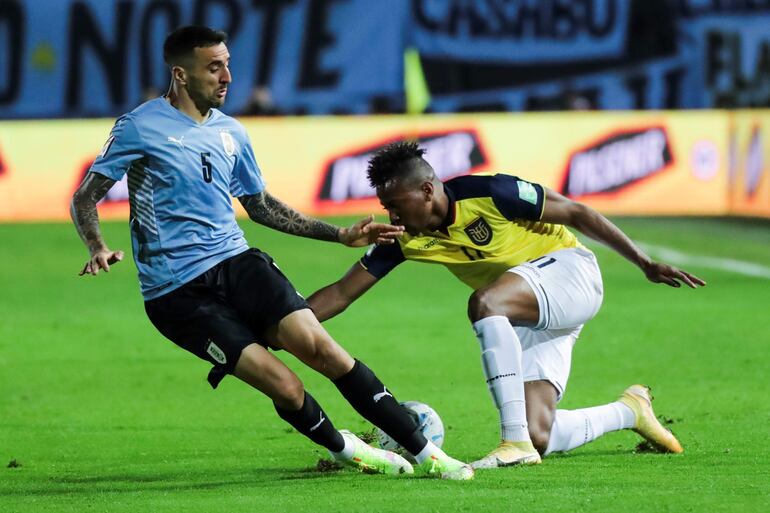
[(639, 399), (509, 453)]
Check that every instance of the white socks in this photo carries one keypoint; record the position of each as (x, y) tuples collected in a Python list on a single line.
[(501, 359), (573, 428), (347, 452), (429, 450)]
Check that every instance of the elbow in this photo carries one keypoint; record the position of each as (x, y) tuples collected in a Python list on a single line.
[(250, 212), (75, 204), (261, 220)]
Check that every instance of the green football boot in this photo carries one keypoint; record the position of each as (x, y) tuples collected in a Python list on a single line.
[(442, 466), (371, 460)]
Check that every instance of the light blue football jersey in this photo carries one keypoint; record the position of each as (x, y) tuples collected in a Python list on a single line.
[(182, 176)]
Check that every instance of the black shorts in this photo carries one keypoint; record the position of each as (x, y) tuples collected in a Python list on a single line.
[(217, 314)]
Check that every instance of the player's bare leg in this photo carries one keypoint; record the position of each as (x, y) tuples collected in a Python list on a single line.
[(542, 398), (575, 428), (301, 334), (269, 375), (492, 310), (633, 410)]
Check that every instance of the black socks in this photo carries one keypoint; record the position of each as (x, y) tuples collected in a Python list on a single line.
[(366, 393), (311, 421)]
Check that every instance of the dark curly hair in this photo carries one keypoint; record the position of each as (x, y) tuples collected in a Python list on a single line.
[(388, 163)]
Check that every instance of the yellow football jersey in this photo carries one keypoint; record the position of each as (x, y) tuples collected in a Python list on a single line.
[(493, 224)]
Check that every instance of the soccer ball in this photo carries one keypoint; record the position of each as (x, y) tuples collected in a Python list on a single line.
[(429, 422)]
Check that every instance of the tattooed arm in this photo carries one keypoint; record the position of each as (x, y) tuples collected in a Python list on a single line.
[(268, 210), (86, 219)]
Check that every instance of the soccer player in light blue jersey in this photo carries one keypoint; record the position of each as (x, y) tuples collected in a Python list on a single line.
[(203, 287)]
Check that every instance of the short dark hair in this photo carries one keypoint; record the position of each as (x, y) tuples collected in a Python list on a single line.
[(388, 163), (183, 41)]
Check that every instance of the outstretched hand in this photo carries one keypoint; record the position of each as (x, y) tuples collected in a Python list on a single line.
[(366, 232), (658, 272), (101, 260)]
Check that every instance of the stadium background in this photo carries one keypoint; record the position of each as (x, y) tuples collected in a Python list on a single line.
[(75, 59), (655, 108)]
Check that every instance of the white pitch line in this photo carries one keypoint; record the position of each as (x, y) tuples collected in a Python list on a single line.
[(675, 257), (672, 256)]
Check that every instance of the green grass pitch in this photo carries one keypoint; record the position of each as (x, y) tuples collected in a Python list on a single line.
[(99, 413)]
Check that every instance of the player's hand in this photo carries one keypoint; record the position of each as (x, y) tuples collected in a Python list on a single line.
[(101, 260), (658, 272), (366, 232)]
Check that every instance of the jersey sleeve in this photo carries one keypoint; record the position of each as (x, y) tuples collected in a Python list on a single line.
[(382, 258), (123, 147), (516, 198), (247, 177)]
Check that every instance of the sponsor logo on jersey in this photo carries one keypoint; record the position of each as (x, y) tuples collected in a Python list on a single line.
[(617, 161), (430, 244), (479, 232), (228, 143), (217, 354), (179, 141), (450, 153)]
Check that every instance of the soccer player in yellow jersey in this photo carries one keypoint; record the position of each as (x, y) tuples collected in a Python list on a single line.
[(534, 286)]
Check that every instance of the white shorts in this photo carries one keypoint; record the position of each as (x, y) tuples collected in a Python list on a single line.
[(569, 290)]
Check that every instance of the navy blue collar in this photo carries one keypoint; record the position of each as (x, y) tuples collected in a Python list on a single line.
[(449, 219)]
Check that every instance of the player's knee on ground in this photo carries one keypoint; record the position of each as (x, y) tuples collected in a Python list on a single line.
[(542, 398), (540, 437), (540, 424)]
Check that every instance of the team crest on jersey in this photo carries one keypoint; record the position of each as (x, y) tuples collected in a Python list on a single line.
[(228, 143), (479, 232)]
